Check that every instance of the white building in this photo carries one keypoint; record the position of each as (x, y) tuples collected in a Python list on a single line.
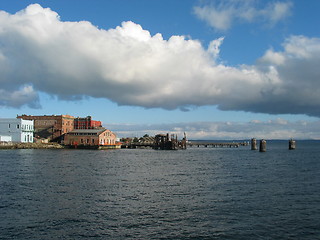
[(5, 138), (18, 129)]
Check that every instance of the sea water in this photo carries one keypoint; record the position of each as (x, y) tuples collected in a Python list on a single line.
[(198, 193)]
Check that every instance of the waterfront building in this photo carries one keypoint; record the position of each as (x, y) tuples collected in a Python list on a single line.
[(16, 130), (90, 138), (51, 127), (5, 138), (86, 123)]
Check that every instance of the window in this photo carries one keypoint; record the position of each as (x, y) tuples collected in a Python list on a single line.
[(92, 141), (18, 126), (9, 125)]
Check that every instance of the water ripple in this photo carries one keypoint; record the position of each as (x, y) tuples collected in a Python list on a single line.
[(146, 194)]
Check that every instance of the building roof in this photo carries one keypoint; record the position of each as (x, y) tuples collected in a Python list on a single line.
[(17, 120), (87, 131), (45, 116)]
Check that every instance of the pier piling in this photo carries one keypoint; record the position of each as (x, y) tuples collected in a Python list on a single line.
[(263, 145), (292, 144), (254, 144)]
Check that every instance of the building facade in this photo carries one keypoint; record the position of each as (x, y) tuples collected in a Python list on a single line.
[(87, 138), (51, 127), (18, 130), (86, 123)]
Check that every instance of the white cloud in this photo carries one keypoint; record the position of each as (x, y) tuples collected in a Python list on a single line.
[(214, 47), (16, 98), (130, 67), (222, 15), (219, 19), (277, 11)]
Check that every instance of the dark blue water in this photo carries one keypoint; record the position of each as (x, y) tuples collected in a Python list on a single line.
[(199, 193)]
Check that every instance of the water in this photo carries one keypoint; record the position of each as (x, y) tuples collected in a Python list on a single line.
[(200, 193)]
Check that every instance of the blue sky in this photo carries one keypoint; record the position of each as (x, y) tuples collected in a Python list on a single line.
[(158, 66)]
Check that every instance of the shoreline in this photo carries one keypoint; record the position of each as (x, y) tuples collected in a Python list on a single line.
[(51, 145), (32, 146)]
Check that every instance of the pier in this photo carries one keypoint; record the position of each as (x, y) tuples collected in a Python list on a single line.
[(138, 145), (217, 144)]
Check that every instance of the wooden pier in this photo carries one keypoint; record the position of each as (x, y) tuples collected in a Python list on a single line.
[(217, 144), (137, 145)]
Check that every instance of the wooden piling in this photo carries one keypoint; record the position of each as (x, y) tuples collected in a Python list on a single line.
[(263, 145), (292, 144), (254, 144)]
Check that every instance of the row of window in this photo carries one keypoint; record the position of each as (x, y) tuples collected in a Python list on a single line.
[(67, 123), (24, 127), (28, 138), (27, 127), (46, 122), (87, 141), (82, 127), (102, 141), (106, 141)]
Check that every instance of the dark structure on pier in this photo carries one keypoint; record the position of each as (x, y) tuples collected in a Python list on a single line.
[(158, 142), (166, 142)]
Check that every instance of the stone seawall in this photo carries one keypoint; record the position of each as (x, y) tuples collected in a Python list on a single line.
[(31, 146)]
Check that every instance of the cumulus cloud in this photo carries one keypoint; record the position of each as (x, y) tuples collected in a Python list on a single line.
[(39, 52), (271, 129), (223, 14)]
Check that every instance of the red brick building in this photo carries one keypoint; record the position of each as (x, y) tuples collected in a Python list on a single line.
[(90, 138), (52, 126), (86, 123)]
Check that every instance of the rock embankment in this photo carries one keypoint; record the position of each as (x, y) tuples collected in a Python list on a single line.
[(32, 146)]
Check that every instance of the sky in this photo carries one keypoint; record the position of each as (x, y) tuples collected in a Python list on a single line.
[(214, 69)]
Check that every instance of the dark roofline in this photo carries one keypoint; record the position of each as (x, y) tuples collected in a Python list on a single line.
[(97, 131)]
